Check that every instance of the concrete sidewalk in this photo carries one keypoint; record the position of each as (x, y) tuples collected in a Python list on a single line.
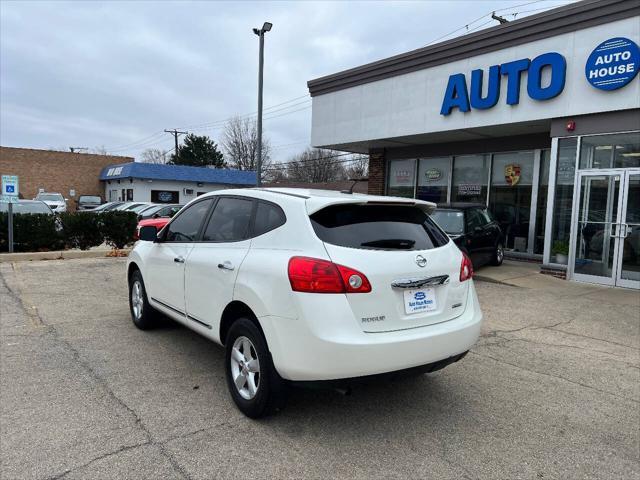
[(97, 252), (527, 275)]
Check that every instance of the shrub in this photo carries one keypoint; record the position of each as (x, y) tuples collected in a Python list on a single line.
[(118, 228), (81, 229), (31, 232)]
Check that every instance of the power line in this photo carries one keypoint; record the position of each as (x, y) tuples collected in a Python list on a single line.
[(215, 122), (281, 165), (152, 139), (467, 25)]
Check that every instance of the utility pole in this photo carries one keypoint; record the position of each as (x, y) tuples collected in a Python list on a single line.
[(175, 134), (77, 149), (260, 32)]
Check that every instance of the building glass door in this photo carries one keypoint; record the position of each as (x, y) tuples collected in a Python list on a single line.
[(607, 228), (628, 274)]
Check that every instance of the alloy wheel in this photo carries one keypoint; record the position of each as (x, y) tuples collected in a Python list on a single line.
[(137, 302), (245, 368)]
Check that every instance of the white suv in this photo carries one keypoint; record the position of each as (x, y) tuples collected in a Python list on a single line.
[(306, 286)]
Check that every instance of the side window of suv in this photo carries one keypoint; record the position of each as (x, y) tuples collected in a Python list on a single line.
[(229, 221), (268, 217), (474, 219), (186, 226)]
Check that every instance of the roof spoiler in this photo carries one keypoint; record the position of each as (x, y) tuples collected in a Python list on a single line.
[(315, 204)]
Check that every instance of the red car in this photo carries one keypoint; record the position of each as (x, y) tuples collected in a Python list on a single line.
[(151, 222)]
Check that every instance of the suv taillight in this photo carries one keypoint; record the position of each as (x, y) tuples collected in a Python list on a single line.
[(313, 275), (466, 268)]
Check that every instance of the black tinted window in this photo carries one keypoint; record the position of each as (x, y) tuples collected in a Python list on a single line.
[(268, 217), (474, 219), (229, 221), (186, 226), (377, 227)]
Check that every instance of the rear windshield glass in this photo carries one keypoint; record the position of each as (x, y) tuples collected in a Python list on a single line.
[(451, 221), (380, 227), (50, 197)]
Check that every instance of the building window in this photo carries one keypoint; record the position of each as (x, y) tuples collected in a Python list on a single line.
[(562, 205), (402, 180), (510, 198), (129, 194), (433, 179), (470, 176), (621, 150), (165, 196), (541, 210)]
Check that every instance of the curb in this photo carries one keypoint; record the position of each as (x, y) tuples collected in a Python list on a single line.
[(59, 255)]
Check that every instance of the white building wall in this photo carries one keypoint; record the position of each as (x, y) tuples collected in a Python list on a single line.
[(142, 189), (410, 104)]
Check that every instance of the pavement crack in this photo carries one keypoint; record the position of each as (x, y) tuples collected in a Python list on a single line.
[(559, 377), (123, 448), (100, 381)]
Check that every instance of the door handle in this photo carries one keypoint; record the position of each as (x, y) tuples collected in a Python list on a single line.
[(226, 265), (179, 259)]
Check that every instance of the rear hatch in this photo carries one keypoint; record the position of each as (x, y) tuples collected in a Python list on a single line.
[(410, 263)]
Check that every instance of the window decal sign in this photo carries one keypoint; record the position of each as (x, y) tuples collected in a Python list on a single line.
[(613, 64), (457, 95), (512, 174), (469, 189), (432, 175)]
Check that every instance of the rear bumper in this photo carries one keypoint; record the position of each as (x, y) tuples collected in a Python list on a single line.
[(330, 346)]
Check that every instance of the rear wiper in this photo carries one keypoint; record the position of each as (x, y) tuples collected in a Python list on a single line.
[(400, 243)]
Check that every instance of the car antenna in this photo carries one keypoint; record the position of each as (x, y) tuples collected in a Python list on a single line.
[(354, 180)]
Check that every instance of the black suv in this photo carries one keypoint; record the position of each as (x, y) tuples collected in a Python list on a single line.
[(474, 230)]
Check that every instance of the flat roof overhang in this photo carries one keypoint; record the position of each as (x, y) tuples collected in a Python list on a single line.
[(567, 18), (462, 135)]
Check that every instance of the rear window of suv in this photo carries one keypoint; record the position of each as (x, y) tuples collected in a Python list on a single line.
[(379, 227)]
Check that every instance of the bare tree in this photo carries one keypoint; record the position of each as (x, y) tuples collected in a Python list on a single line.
[(358, 167), (155, 155), (240, 144), (101, 150), (315, 165)]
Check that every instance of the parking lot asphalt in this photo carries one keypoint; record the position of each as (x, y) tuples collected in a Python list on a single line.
[(552, 390)]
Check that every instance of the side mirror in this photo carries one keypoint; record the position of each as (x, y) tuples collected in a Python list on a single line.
[(149, 233), (155, 215)]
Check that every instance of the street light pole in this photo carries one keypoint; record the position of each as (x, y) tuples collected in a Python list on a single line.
[(260, 32)]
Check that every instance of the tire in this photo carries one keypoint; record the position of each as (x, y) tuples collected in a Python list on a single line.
[(255, 393), (143, 315), (498, 255)]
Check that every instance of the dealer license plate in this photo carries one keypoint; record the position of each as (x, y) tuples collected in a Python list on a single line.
[(423, 300)]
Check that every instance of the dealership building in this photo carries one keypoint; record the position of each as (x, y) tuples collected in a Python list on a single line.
[(538, 118), (148, 182)]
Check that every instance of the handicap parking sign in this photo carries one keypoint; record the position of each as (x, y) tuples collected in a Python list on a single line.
[(9, 188)]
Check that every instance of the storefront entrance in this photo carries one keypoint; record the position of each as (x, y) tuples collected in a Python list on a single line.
[(606, 228)]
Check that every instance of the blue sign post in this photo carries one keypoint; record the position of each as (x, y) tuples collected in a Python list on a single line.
[(613, 64), (10, 194)]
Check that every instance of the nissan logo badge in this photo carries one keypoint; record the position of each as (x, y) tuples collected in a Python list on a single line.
[(421, 261)]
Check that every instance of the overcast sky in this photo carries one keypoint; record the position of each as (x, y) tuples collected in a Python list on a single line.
[(115, 74)]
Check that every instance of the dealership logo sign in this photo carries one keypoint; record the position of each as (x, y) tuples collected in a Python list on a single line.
[(512, 174), (432, 175), (458, 95), (613, 64)]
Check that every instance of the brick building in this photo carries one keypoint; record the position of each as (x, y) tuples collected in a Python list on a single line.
[(71, 174)]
